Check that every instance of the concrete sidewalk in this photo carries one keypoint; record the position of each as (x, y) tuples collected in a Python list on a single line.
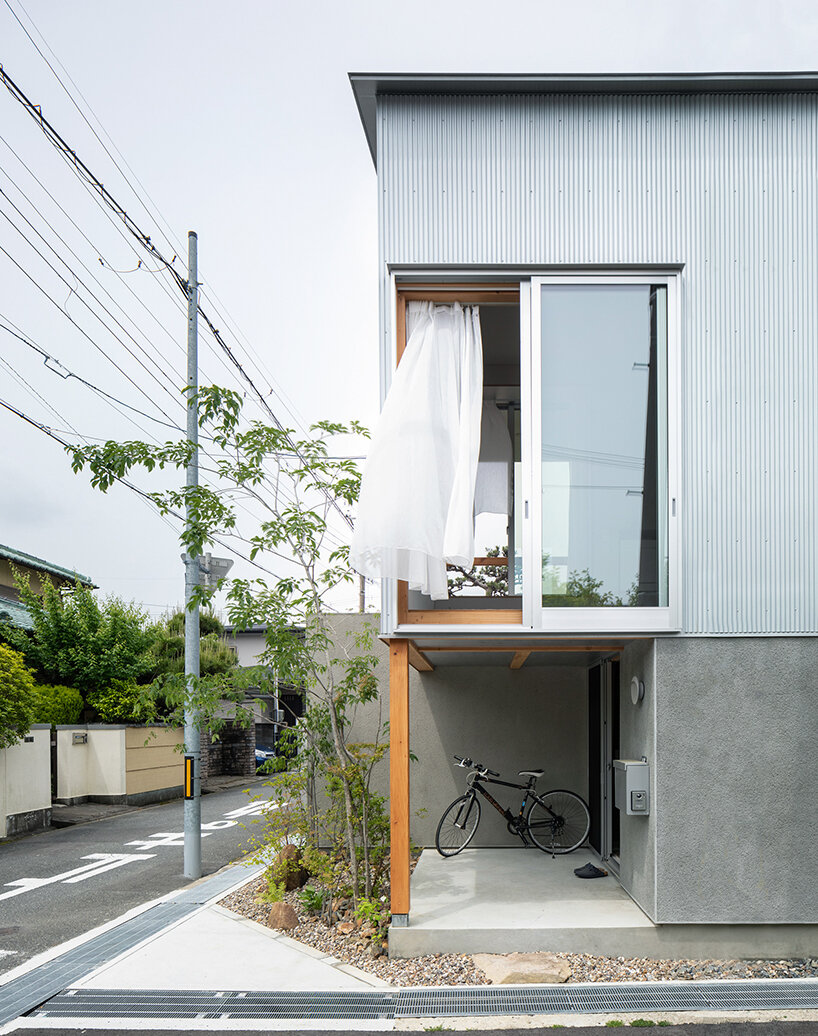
[(198, 946)]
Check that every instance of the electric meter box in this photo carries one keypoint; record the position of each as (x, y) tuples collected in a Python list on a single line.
[(632, 786)]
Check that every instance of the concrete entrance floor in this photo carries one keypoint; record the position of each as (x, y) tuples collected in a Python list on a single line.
[(520, 900), (507, 900)]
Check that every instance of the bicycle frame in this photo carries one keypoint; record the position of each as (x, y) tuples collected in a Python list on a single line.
[(476, 779)]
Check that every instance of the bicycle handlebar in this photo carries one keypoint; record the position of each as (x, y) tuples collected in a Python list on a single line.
[(477, 766)]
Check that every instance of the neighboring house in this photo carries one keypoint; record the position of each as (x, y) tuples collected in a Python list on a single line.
[(278, 705), (643, 253), (11, 607)]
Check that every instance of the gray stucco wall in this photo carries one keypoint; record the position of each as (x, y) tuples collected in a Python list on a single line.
[(510, 720), (736, 776)]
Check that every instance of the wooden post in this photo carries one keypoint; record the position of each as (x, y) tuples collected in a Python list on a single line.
[(399, 777)]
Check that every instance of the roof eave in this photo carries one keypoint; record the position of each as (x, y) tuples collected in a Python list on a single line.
[(367, 86)]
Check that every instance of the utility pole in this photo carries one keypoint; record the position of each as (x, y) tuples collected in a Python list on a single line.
[(361, 594), (193, 804)]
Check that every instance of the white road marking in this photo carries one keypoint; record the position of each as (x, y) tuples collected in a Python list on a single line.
[(102, 862), (162, 838), (252, 808)]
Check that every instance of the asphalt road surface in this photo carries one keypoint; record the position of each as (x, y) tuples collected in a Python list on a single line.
[(61, 883)]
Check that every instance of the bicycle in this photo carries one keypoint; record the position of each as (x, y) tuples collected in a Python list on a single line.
[(556, 822)]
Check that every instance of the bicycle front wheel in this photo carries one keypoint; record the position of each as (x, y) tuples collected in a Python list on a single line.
[(558, 822), (457, 825)]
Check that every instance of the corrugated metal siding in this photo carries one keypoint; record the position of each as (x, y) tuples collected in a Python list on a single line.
[(726, 185)]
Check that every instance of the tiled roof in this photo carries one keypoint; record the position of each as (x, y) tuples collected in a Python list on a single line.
[(16, 613), (19, 557)]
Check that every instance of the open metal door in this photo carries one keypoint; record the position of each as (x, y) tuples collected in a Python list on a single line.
[(603, 748)]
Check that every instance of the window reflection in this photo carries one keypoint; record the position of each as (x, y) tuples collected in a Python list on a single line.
[(604, 454)]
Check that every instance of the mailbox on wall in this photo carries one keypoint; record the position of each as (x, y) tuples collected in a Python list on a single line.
[(632, 786)]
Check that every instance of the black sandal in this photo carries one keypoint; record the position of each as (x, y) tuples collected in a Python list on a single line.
[(589, 871)]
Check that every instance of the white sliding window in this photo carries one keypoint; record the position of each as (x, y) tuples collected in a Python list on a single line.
[(602, 552)]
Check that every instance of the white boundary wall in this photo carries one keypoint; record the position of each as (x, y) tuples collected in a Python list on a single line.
[(25, 783)]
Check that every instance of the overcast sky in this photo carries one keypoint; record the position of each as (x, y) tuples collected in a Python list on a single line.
[(238, 121)]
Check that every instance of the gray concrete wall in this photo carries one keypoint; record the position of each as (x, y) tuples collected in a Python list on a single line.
[(736, 777), (637, 738), (510, 720), (532, 718)]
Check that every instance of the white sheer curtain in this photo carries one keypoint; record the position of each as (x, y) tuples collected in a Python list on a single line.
[(415, 512)]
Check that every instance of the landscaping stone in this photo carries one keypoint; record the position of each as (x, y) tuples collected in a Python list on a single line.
[(520, 968), (287, 868), (283, 916), (345, 927)]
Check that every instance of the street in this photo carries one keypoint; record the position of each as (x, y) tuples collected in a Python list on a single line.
[(63, 882)]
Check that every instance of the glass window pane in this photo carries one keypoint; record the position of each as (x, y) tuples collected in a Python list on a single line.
[(604, 453)]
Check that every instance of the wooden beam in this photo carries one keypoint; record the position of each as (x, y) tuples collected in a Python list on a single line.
[(467, 617), (514, 647), (400, 330), (399, 773), (418, 660), (403, 601), (519, 659), (465, 297)]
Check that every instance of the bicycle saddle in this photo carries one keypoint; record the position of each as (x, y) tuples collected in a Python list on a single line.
[(531, 773)]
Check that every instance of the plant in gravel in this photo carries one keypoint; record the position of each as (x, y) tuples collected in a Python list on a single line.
[(642, 1023), (274, 893), (312, 899), (614, 1023), (375, 913)]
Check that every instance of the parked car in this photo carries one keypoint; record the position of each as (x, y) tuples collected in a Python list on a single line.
[(264, 757)]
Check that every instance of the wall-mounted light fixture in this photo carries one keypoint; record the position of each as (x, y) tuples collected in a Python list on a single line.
[(637, 690)]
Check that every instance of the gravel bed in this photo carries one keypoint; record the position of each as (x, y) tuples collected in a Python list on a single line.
[(439, 969), (454, 969)]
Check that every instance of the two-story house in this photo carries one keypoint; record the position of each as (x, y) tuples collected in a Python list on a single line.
[(599, 335), (12, 609)]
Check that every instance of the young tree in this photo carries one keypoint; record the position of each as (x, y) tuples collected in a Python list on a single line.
[(256, 460), (167, 647)]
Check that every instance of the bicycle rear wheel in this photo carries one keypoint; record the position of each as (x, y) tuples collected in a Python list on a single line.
[(561, 827), (457, 825)]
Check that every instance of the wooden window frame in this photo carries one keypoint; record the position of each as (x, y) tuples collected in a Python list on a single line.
[(468, 295)]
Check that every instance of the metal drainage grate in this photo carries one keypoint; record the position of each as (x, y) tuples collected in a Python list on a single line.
[(116, 1003), (437, 1002), (20, 995)]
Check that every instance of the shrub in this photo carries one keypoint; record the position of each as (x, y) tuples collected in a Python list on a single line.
[(56, 704), (120, 703), (16, 697), (312, 899)]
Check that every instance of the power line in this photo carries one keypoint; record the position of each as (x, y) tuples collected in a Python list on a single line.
[(67, 374), (115, 402), (155, 215), (87, 177), (104, 262), (135, 489), (82, 331)]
